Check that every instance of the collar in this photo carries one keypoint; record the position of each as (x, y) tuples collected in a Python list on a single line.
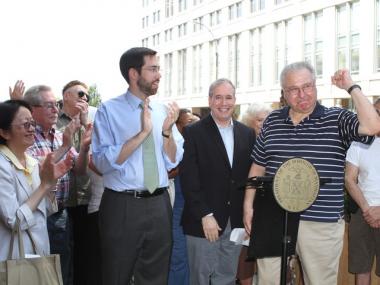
[(231, 124), (30, 161), (40, 130), (135, 101), (317, 112), (62, 114)]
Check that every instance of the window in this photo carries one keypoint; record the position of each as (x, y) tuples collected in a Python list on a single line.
[(169, 8), (182, 72), (348, 36), (145, 42), (156, 39), (182, 5), (215, 18), (255, 57), (283, 46), (182, 30), (214, 59), (234, 59), (257, 5), (238, 10), (156, 16), (198, 24), (197, 69), (218, 16), (168, 74), (231, 12), (235, 11), (313, 40), (168, 35)]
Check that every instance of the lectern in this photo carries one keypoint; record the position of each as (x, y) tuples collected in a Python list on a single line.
[(294, 188)]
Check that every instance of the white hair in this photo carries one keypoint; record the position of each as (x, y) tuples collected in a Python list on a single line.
[(252, 111)]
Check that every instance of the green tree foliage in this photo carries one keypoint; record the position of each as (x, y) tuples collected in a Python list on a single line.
[(95, 97)]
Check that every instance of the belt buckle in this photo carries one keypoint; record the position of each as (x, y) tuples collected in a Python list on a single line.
[(135, 195)]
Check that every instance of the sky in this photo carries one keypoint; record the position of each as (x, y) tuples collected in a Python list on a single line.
[(52, 42)]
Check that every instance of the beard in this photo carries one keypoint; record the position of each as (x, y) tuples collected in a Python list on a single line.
[(146, 87)]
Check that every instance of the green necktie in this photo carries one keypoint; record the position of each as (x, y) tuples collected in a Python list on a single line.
[(149, 161)]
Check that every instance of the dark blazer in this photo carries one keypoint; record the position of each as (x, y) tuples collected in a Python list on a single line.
[(208, 182)]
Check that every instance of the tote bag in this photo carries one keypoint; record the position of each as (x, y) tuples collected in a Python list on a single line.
[(41, 270)]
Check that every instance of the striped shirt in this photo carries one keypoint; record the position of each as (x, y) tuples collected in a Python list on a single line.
[(322, 138), (44, 145)]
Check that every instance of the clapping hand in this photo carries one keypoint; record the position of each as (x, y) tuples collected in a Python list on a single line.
[(172, 116), (51, 171)]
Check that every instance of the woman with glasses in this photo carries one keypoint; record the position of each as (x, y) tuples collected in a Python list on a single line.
[(26, 190)]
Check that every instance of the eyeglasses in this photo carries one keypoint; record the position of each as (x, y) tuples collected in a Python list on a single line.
[(294, 91), (153, 68), (82, 93), (27, 125), (48, 105)]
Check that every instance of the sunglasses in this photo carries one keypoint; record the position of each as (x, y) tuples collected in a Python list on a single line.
[(81, 94), (27, 125)]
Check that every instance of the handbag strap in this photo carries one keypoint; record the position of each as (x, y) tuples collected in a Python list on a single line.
[(17, 231), (14, 233)]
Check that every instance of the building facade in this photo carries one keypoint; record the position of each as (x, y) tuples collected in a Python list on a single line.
[(250, 41)]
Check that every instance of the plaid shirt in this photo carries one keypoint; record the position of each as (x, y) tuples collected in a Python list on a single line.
[(44, 145)]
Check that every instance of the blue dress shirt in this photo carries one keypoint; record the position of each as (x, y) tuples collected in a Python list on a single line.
[(117, 121)]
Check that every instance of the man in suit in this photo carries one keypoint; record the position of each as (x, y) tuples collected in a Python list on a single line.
[(215, 163)]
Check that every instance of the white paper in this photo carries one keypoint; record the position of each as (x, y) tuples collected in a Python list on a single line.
[(27, 255), (239, 236)]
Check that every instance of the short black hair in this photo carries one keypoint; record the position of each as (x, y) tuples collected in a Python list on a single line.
[(8, 111), (134, 58)]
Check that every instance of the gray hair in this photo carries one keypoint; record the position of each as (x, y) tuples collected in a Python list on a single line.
[(33, 94), (253, 110), (218, 82), (295, 67)]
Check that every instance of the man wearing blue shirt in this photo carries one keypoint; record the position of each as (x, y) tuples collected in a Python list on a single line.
[(135, 220)]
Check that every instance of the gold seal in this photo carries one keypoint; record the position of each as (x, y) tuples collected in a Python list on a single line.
[(296, 185)]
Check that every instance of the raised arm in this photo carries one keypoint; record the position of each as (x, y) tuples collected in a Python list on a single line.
[(17, 93), (369, 121), (170, 147)]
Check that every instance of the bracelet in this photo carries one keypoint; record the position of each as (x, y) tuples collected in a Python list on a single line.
[(349, 90), (165, 135)]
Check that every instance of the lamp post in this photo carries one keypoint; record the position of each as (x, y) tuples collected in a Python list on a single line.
[(215, 41)]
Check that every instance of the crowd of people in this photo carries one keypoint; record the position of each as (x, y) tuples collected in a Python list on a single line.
[(92, 185)]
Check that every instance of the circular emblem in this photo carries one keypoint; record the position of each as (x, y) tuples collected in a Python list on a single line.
[(296, 185)]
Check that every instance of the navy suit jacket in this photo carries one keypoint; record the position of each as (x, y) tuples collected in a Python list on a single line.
[(209, 183)]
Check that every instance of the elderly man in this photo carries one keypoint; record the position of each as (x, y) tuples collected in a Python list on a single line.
[(135, 143), (49, 139), (321, 135), (215, 163)]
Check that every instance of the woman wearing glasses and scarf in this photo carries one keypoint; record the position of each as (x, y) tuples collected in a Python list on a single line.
[(26, 190)]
